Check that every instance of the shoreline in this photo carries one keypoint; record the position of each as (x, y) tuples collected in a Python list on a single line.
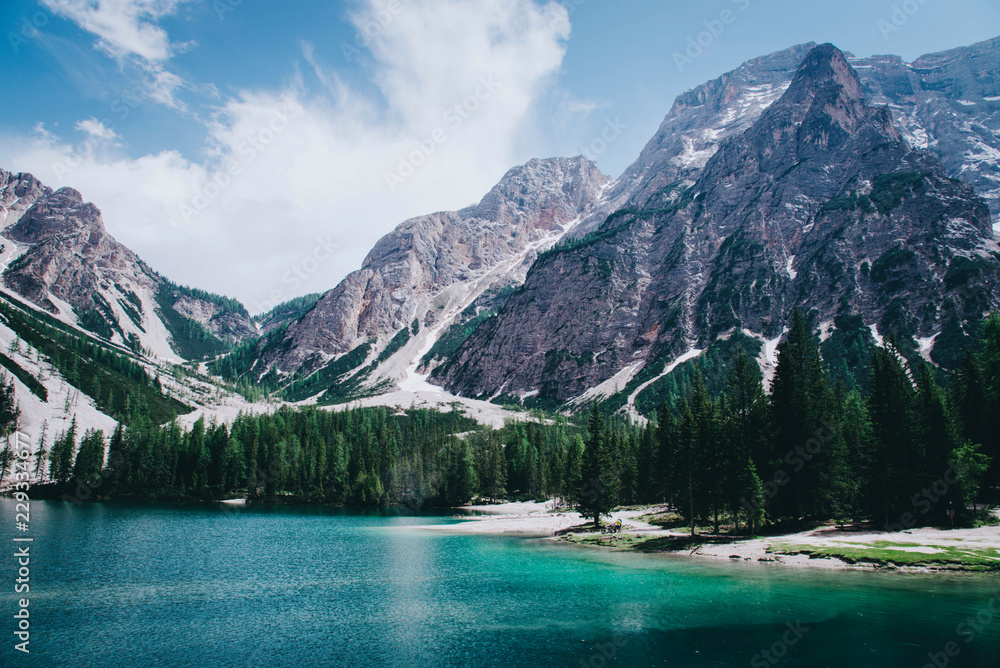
[(918, 550)]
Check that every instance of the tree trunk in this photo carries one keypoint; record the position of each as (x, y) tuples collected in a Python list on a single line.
[(691, 497)]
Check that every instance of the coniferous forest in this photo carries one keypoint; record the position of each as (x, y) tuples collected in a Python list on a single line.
[(911, 446)]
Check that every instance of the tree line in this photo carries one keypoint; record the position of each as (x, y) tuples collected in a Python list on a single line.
[(912, 447)]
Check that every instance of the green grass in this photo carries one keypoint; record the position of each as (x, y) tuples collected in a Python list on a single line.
[(888, 553)]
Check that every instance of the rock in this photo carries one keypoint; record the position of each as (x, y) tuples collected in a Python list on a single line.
[(72, 258), (820, 204), (426, 268)]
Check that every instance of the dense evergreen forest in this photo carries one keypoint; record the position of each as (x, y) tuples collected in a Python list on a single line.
[(912, 448)]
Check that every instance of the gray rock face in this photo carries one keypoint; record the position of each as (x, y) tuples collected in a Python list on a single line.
[(819, 204), (72, 258), (430, 265), (948, 103), (226, 325), (17, 193), (70, 253), (703, 117)]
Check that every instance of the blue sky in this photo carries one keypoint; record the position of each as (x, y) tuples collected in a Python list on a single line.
[(259, 150)]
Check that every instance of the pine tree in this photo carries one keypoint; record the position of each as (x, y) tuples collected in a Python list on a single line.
[(748, 433), (897, 457), (63, 451), (857, 436), (646, 462), (90, 458), (799, 398), (597, 492), (41, 454), (574, 467), (10, 412), (697, 436), (666, 438)]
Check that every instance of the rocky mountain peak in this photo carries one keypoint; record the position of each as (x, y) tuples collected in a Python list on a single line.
[(823, 108), (69, 194), (18, 191), (542, 190), (431, 268), (819, 204), (825, 67), (61, 213)]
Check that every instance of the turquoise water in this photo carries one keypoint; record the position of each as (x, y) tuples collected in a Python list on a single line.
[(191, 585)]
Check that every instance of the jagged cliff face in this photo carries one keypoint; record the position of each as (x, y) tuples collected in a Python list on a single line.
[(17, 193), (948, 103), (66, 262), (430, 268), (820, 203), (69, 253)]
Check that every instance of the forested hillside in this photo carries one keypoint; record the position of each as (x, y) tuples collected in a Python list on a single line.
[(909, 449)]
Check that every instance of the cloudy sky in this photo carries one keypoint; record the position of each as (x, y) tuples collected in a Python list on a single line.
[(259, 150)]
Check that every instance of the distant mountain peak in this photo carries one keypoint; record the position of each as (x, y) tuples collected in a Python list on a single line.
[(69, 193), (825, 66)]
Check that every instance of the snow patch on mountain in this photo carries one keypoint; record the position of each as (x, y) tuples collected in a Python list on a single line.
[(609, 387), (767, 360), (629, 408), (926, 345), (65, 402)]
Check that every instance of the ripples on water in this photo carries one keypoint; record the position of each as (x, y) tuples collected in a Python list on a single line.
[(125, 585)]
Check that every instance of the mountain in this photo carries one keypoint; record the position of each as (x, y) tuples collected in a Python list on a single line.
[(424, 290), (422, 276), (948, 103), (59, 256), (857, 189), (820, 204)]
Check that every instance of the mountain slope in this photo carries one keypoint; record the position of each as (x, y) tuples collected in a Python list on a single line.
[(422, 275), (58, 254), (819, 204), (948, 103)]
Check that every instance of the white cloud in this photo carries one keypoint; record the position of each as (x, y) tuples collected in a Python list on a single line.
[(127, 30), (585, 106), (96, 130), (301, 172), (42, 132), (123, 27)]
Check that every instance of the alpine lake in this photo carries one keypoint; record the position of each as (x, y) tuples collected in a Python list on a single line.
[(126, 584)]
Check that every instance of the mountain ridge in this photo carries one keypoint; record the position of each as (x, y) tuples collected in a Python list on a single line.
[(654, 282)]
